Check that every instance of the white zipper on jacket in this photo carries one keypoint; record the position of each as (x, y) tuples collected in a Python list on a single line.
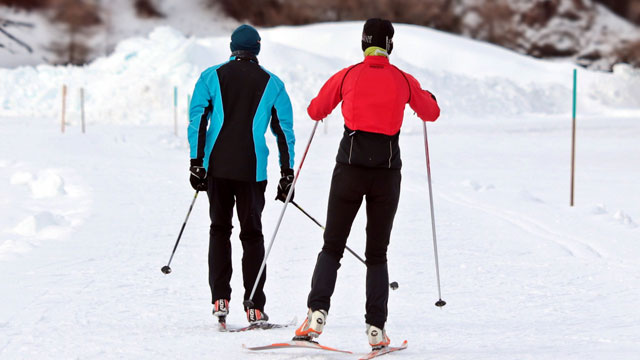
[(390, 154)]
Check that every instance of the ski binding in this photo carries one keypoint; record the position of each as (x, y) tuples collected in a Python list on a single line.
[(262, 325)]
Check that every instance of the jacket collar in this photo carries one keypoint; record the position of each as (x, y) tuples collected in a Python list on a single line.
[(375, 51), (376, 59), (243, 55)]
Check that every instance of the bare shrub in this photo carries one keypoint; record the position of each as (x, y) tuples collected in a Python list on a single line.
[(540, 13), (498, 24), (77, 17), (24, 4), (629, 53), (147, 9)]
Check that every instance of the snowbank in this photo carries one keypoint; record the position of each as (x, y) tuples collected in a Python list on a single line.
[(134, 85)]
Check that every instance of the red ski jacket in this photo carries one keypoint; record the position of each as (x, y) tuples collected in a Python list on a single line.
[(373, 94)]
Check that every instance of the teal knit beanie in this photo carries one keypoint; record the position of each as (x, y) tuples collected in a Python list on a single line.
[(245, 37)]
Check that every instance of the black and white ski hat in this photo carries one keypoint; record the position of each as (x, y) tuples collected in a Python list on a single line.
[(378, 32)]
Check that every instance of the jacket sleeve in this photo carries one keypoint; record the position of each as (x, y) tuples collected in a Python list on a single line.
[(282, 128), (422, 101), (199, 114), (328, 98)]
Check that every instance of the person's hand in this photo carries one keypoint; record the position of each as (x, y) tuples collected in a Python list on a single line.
[(286, 180), (198, 177)]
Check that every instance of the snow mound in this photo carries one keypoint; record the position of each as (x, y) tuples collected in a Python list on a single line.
[(135, 84), (14, 246), (39, 205), (39, 222), (624, 219), (45, 185)]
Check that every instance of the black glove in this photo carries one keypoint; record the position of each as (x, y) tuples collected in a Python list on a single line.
[(198, 178), (284, 185)]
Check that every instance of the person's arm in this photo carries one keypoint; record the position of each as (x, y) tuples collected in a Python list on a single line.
[(328, 98), (282, 128), (199, 113), (422, 101)]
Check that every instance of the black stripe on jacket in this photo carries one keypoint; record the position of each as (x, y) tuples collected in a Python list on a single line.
[(283, 147), (202, 130)]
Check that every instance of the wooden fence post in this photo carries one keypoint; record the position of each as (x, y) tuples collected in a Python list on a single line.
[(573, 137), (82, 108)]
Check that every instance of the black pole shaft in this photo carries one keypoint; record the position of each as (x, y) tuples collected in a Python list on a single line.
[(322, 227), (393, 284), (182, 228)]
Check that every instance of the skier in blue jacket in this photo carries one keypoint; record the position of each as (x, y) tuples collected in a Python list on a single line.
[(232, 105)]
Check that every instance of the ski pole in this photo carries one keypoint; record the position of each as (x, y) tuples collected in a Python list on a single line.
[(393, 285), (167, 269), (249, 302), (440, 303)]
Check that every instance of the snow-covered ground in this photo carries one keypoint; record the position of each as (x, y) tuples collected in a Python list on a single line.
[(88, 220)]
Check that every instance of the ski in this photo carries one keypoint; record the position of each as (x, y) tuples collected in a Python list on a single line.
[(307, 344), (223, 327), (385, 350)]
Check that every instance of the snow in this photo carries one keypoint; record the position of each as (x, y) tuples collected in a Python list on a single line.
[(89, 219)]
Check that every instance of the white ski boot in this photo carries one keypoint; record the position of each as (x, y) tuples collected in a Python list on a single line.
[(378, 339), (312, 325)]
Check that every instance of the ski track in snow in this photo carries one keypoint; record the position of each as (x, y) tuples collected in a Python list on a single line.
[(572, 245)]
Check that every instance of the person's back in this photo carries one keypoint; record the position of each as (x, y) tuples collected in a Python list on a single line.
[(243, 85), (245, 99), (232, 105), (374, 94)]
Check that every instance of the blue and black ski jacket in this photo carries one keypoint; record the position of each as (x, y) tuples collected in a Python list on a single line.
[(232, 105)]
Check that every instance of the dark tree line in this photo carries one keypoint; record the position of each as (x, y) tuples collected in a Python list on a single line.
[(497, 21)]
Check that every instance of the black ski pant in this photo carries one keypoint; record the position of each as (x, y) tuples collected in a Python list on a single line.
[(349, 185), (249, 198)]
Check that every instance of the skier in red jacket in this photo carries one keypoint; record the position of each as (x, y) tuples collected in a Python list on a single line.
[(373, 95)]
